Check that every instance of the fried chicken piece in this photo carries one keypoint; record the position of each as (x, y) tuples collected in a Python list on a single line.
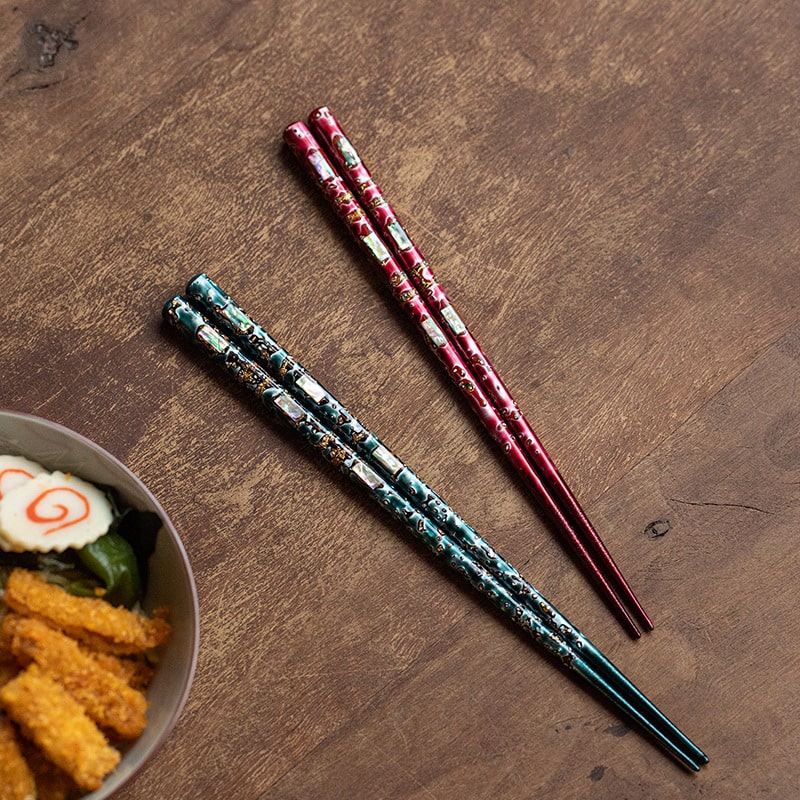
[(90, 620), (106, 698), (8, 665), (16, 779), (8, 670), (52, 783), (5, 638), (135, 671), (58, 725)]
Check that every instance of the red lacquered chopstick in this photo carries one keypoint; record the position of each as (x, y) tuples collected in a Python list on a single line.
[(309, 152), (351, 167)]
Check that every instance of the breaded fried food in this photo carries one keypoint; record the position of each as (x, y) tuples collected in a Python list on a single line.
[(135, 671), (52, 783), (88, 619), (8, 670), (47, 714), (5, 637), (16, 778), (8, 665), (106, 698)]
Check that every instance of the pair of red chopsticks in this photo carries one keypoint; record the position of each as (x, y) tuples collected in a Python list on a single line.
[(347, 184)]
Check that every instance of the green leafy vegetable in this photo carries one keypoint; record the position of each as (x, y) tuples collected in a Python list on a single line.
[(112, 559)]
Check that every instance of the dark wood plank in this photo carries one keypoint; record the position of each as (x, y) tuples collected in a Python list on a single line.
[(479, 716), (73, 72), (611, 199), (629, 349)]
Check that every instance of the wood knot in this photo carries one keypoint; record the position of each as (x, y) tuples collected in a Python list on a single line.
[(50, 41), (657, 529)]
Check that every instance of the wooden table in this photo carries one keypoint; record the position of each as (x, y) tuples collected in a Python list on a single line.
[(610, 193)]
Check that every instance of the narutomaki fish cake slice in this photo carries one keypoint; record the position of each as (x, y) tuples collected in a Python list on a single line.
[(52, 512)]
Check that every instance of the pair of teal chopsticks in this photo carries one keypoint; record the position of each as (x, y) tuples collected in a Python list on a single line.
[(214, 321)]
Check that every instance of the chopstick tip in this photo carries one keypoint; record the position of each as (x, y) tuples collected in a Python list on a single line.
[(318, 113), (295, 131), (167, 308), (634, 632), (200, 276)]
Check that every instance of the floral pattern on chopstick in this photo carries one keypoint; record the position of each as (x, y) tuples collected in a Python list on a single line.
[(548, 485)]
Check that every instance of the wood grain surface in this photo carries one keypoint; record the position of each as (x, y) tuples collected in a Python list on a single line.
[(610, 193)]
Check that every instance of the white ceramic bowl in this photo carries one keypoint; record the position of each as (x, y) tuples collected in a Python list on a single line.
[(171, 582)]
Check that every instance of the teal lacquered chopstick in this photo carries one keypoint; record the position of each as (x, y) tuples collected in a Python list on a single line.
[(224, 312), (251, 375)]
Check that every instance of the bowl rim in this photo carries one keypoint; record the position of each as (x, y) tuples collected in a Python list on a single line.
[(166, 521)]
